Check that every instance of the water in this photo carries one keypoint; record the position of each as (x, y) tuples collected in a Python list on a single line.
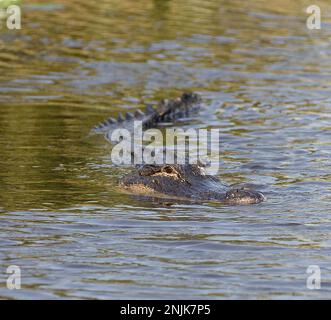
[(265, 79)]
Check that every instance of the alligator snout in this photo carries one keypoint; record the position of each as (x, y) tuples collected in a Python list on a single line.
[(243, 196)]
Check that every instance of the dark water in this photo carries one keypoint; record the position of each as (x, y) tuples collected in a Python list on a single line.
[(266, 80)]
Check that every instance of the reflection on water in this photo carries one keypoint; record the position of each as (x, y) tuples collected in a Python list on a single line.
[(265, 78)]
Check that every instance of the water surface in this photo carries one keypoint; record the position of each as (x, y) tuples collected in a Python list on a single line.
[(266, 81)]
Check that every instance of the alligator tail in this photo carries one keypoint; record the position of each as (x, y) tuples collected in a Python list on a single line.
[(166, 111)]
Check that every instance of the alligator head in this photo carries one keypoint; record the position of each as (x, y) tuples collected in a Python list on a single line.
[(186, 181)]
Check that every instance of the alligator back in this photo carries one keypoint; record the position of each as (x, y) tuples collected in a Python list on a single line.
[(166, 111)]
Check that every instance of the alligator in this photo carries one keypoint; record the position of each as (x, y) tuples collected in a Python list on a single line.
[(184, 181)]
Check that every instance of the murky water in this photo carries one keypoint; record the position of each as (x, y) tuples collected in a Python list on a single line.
[(266, 80)]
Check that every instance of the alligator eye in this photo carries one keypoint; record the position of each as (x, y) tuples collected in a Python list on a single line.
[(168, 169)]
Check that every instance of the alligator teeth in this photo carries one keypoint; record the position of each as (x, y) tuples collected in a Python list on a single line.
[(120, 117), (129, 116), (149, 109), (139, 114)]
